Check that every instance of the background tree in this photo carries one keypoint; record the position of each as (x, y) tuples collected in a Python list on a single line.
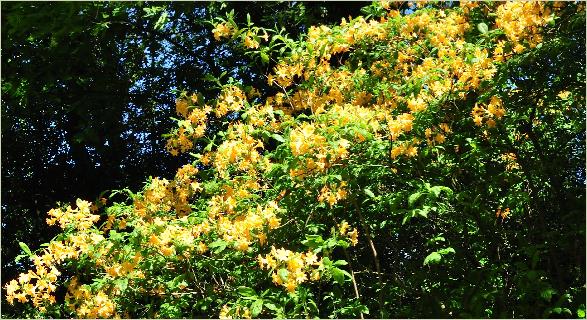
[(89, 89)]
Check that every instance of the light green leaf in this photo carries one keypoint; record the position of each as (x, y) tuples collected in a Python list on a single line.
[(483, 28), (423, 212), (313, 241), (25, 248), (246, 291), (436, 190), (337, 275), (256, 307), (218, 245), (446, 251), (432, 258), (121, 284), (581, 312), (278, 137), (340, 263), (161, 21), (436, 239), (271, 306), (283, 274), (413, 198)]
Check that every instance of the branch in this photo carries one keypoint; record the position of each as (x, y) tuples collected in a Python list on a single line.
[(374, 253), (348, 258)]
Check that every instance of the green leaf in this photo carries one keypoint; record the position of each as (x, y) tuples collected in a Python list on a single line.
[(271, 306), (436, 239), (256, 307), (423, 212), (161, 21), (283, 274), (121, 284), (278, 137), (483, 28), (406, 218), (218, 245), (446, 251), (413, 198), (433, 258), (369, 193), (246, 291), (313, 241), (436, 190), (209, 146), (337, 275), (547, 293), (25, 248), (581, 312), (340, 263)]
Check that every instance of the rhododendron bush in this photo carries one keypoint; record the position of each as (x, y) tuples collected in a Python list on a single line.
[(403, 163)]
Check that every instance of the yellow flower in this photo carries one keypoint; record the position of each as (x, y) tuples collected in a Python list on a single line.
[(353, 236), (271, 263), (262, 261), (428, 132), (490, 123), (291, 285), (294, 264), (315, 276), (300, 276), (242, 245), (24, 278), (224, 313), (21, 297), (167, 250), (154, 240), (127, 267), (250, 42), (202, 247), (262, 238), (221, 30), (274, 222), (439, 138), (276, 279), (343, 227), (411, 151), (396, 151), (113, 271), (11, 287)]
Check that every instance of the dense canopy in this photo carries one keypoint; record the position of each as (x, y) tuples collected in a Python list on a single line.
[(411, 160)]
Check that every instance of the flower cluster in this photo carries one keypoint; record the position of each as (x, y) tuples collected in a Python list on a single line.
[(502, 213), (333, 194), (352, 235), (440, 136), (521, 22), (494, 110), (510, 161), (243, 229), (289, 268), (79, 218), (38, 285), (222, 30), (87, 304)]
